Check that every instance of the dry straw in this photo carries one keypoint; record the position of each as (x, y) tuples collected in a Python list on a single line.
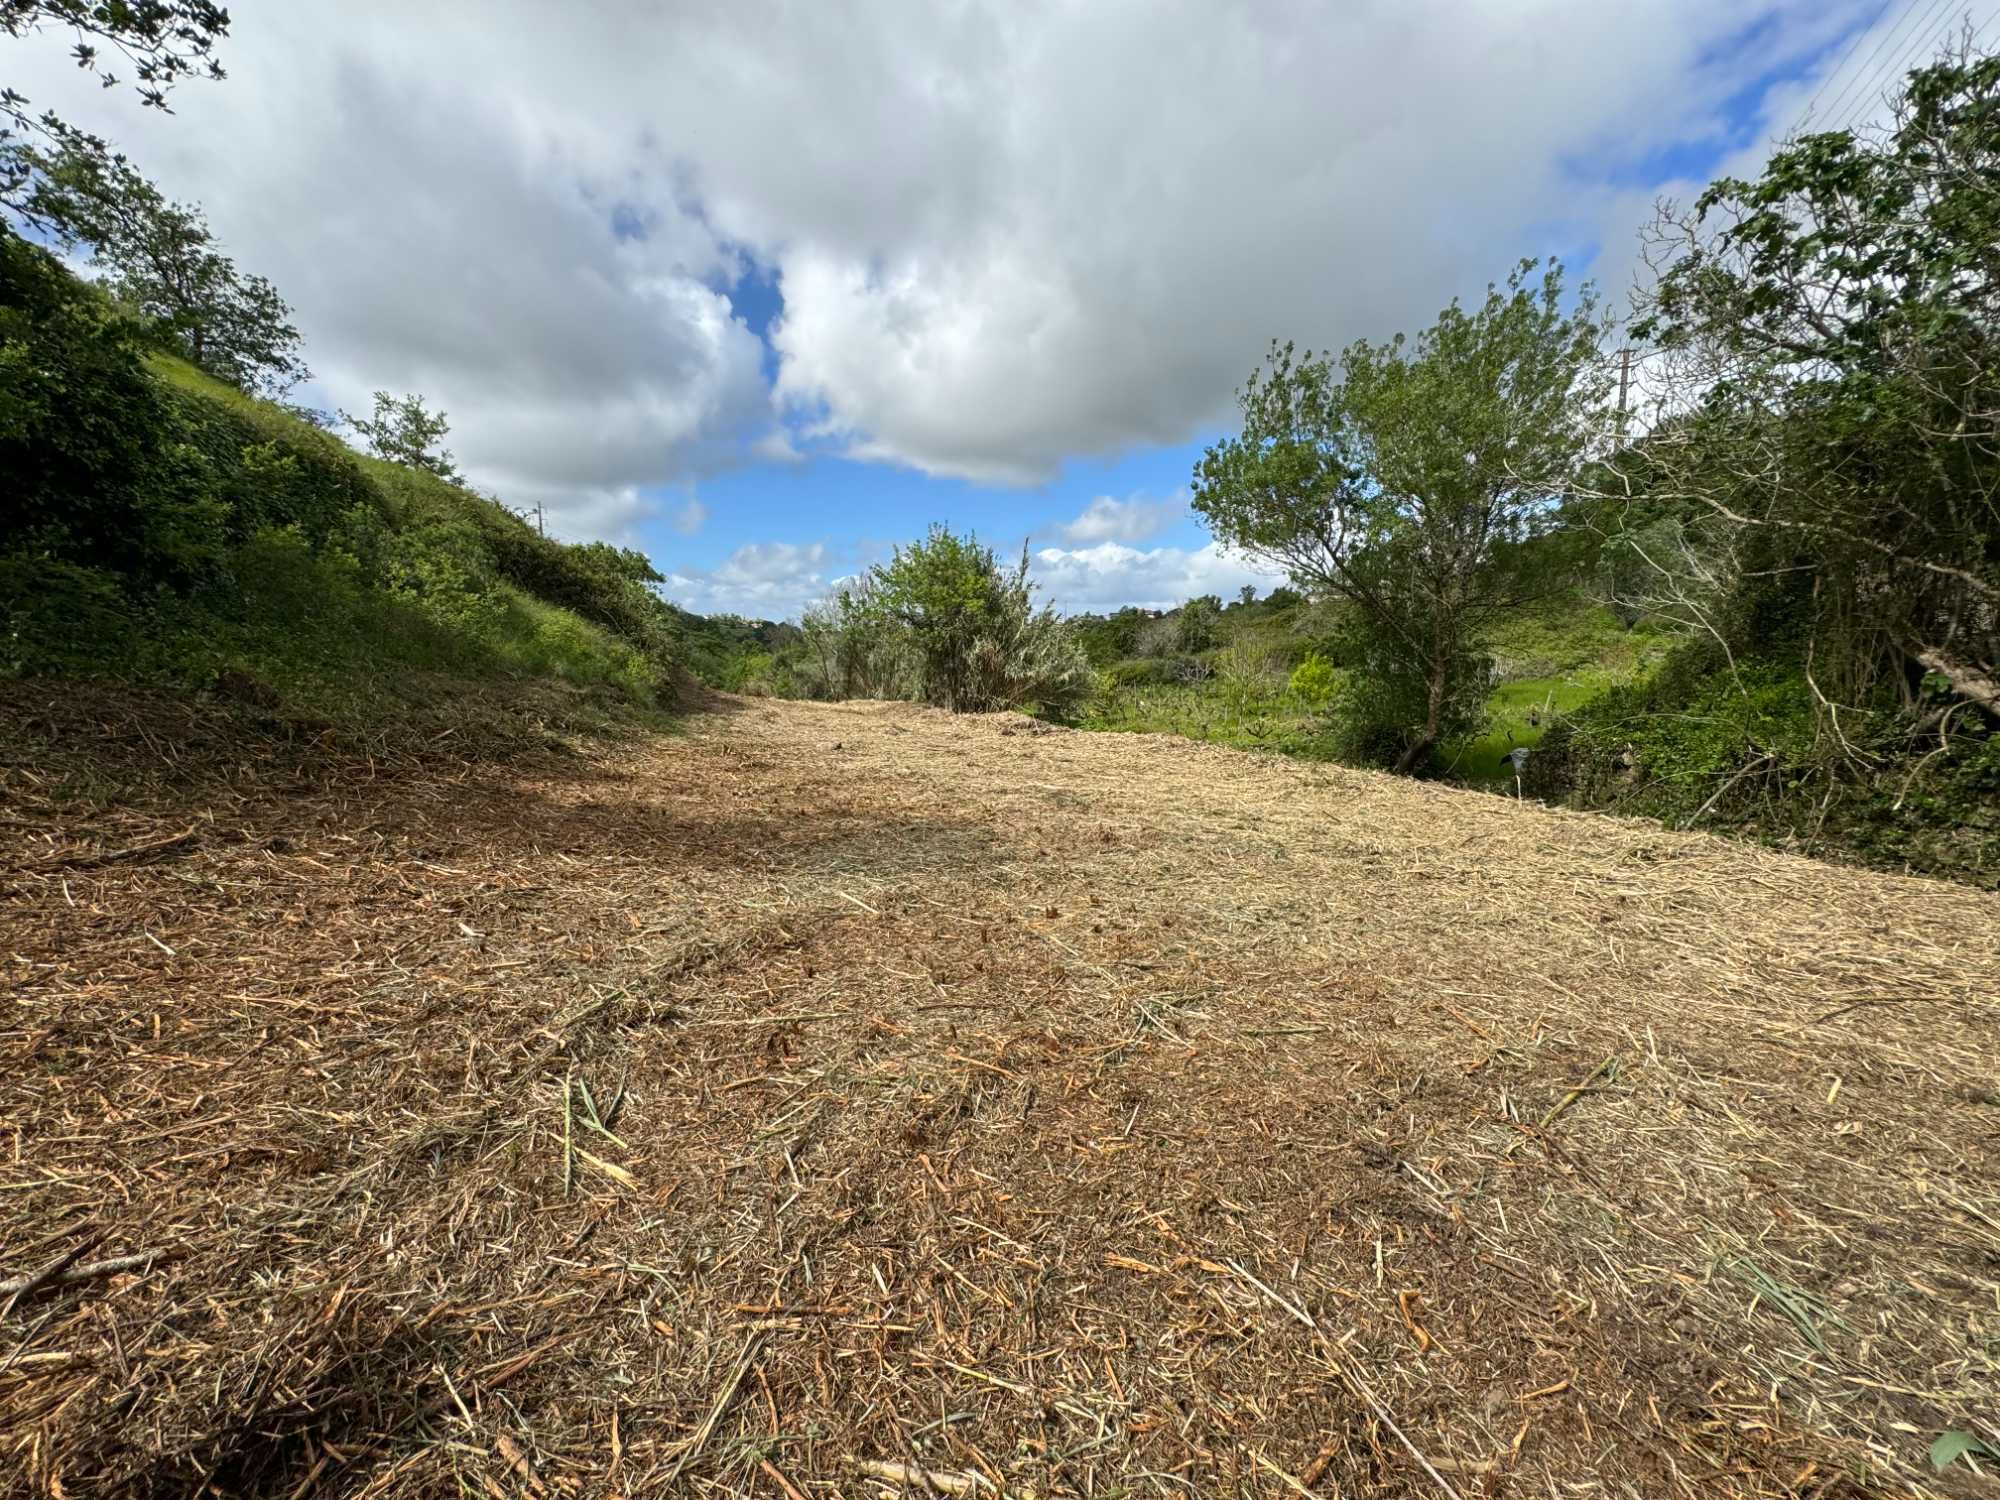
[(853, 1100)]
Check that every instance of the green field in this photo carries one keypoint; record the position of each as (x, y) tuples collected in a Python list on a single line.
[(1546, 661)]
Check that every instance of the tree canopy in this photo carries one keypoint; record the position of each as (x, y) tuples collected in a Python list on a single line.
[(1409, 477), (161, 260), (162, 41)]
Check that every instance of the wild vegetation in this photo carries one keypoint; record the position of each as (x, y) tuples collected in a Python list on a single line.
[(942, 622)]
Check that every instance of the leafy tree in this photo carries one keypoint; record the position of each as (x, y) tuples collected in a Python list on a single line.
[(1826, 353), (160, 259), (1198, 625), (406, 431), (1410, 480), (978, 641), (163, 41)]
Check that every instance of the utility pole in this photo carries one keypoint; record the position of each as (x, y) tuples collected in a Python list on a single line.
[(542, 530), (1624, 384)]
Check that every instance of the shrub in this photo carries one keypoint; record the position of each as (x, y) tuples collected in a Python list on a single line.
[(977, 639), (97, 471), (1314, 680)]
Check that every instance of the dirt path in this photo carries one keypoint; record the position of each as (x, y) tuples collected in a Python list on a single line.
[(826, 1093)]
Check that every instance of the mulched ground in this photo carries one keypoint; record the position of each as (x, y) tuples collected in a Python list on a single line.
[(836, 1100)]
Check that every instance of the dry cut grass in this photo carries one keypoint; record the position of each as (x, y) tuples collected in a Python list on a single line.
[(830, 1101)]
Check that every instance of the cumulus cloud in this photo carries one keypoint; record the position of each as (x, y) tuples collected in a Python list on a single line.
[(446, 239), (1134, 520), (1005, 233), (1110, 575), (765, 580)]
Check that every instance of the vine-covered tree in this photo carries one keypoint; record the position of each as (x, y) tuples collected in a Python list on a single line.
[(1409, 480), (161, 260), (1827, 338), (406, 431)]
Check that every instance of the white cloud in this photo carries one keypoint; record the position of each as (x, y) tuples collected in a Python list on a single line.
[(1006, 232), (1134, 520), (690, 517), (765, 580), (1109, 576)]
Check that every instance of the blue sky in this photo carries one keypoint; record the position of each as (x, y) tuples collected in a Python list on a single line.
[(764, 289)]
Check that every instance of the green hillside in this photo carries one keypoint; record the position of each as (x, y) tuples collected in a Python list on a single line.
[(166, 527)]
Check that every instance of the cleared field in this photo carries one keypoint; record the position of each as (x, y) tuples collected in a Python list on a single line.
[(839, 1098)]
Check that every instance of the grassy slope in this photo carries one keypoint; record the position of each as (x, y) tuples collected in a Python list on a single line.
[(1549, 660), (304, 625)]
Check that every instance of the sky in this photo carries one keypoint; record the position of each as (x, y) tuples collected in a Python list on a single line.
[(765, 289)]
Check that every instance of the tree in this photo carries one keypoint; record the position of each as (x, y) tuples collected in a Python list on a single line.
[(1410, 480), (1829, 406), (164, 42), (160, 259), (1198, 625), (979, 642), (405, 431)]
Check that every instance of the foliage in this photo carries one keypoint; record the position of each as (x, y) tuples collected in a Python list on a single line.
[(976, 637), (160, 259), (1826, 345), (1410, 481), (404, 430), (1702, 742), (164, 524), (1198, 625), (1314, 681), (97, 469), (164, 41)]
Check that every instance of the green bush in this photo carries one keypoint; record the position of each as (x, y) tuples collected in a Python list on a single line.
[(977, 640), (97, 469), (1314, 680)]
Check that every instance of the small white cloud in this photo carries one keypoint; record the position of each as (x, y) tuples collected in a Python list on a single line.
[(1133, 520), (764, 580), (1110, 575), (691, 517)]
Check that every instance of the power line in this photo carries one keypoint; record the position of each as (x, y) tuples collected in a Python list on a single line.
[(1884, 46), (1913, 19), (1928, 36), (1861, 34)]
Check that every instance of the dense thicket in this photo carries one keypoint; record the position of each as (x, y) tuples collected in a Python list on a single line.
[(1816, 500)]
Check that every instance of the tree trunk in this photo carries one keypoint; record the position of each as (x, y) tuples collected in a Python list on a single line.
[(1412, 757)]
